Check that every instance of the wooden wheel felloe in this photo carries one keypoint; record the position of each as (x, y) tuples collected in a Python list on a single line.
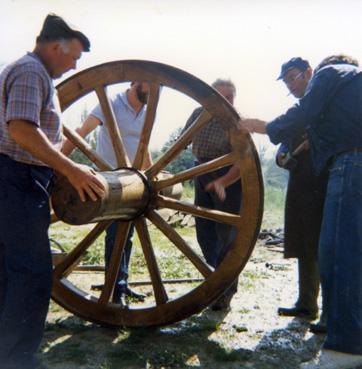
[(140, 203)]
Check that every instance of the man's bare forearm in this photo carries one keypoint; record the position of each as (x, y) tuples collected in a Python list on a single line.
[(32, 139), (219, 185), (89, 125), (254, 125), (231, 176)]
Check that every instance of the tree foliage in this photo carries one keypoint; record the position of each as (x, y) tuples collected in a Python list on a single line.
[(183, 161), (273, 175)]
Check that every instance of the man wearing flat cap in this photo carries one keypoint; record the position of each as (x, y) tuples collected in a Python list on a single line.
[(304, 203), (30, 143)]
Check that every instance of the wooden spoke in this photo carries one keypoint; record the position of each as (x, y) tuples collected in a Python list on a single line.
[(196, 171), (179, 242), (111, 122), (53, 218), (158, 287), (112, 272), (152, 103), (179, 145), (72, 259), (86, 149), (199, 211)]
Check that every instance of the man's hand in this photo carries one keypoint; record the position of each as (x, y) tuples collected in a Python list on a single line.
[(281, 159), (218, 188), (253, 125), (86, 181)]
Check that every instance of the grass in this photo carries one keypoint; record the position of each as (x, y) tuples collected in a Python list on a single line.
[(172, 262), (274, 200), (188, 191), (123, 355), (75, 352)]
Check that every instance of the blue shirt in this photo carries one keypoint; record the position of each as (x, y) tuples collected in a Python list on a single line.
[(330, 112), (130, 126)]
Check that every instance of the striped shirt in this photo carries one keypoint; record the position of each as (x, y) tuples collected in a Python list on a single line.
[(209, 142), (27, 92)]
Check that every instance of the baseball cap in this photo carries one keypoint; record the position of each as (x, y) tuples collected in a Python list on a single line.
[(55, 28), (293, 63)]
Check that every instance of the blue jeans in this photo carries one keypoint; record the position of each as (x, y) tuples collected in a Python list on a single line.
[(340, 254), (122, 277), (26, 266)]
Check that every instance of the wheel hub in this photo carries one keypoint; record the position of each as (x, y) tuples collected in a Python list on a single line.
[(128, 195)]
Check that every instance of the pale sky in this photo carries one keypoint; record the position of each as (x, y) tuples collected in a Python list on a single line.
[(244, 40)]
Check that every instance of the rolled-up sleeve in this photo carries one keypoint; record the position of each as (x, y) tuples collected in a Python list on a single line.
[(97, 112)]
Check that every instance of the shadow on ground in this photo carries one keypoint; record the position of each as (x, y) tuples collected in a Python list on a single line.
[(71, 343)]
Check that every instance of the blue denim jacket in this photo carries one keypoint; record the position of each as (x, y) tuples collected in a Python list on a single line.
[(330, 112)]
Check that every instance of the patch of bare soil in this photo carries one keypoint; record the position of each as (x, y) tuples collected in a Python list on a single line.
[(250, 335)]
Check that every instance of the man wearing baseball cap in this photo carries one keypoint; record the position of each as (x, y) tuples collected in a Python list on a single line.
[(304, 204), (331, 112), (30, 143)]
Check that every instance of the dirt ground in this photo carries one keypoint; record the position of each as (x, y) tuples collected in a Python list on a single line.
[(250, 335)]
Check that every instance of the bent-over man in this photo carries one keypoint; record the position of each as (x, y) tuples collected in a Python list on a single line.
[(30, 143)]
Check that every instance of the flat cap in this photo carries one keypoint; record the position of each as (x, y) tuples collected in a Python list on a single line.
[(55, 28)]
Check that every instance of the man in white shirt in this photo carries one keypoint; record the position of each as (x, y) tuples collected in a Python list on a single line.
[(129, 109)]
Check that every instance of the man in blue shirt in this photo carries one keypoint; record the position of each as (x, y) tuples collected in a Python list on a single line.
[(129, 109), (331, 113)]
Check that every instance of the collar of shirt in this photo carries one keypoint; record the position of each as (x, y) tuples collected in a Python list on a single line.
[(123, 97), (36, 57)]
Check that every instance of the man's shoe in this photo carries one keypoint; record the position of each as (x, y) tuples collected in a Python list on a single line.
[(119, 299), (298, 312), (318, 328), (134, 295), (97, 287), (330, 359), (222, 303)]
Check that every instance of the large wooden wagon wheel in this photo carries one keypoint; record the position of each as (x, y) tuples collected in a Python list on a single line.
[(142, 200)]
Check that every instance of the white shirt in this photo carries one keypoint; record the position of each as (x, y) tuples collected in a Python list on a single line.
[(130, 126)]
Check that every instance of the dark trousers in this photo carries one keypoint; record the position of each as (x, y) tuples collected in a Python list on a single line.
[(308, 271), (122, 276), (303, 218), (216, 238), (26, 267)]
